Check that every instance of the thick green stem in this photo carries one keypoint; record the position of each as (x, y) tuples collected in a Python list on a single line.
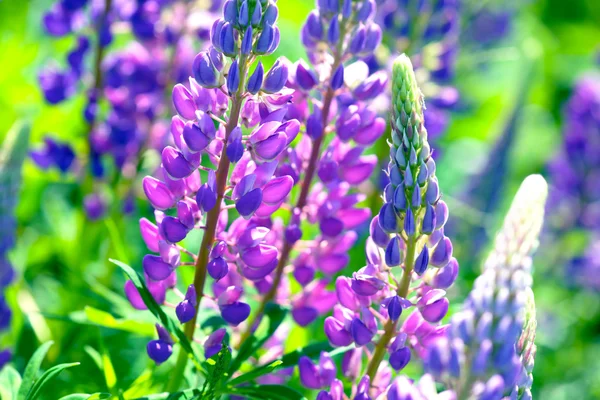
[(390, 326), (211, 227)]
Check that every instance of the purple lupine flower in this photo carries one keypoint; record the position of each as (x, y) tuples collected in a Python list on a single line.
[(330, 151), (407, 236), (317, 376), (54, 154), (12, 154), (582, 271), (433, 49), (244, 174), (575, 197), (160, 350), (400, 388), (131, 80), (493, 330)]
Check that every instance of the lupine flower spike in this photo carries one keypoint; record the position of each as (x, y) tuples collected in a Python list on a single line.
[(410, 261), (187, 194), (328, 162), (488, 351), (12, 154)]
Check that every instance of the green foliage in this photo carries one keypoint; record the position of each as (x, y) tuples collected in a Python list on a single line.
[(158, 312), (68, 292)]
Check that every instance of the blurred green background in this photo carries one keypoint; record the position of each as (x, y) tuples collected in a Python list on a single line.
[(62, 257)]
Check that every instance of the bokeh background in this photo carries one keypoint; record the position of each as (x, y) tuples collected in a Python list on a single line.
[(511, 111)]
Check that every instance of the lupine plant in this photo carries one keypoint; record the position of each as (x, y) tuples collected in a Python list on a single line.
[(488, 350), (258, 200), (428, 32), (575, 197), (12, 154), (409, 259), (243, 119)]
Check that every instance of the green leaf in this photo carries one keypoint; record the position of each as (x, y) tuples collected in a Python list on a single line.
[(158, 312), (10, 380), (46, 377), (85, 396), (217, 367), (104, 319), (189, 394), (31, 370), (271, 392), (274, 315), (255, 373)]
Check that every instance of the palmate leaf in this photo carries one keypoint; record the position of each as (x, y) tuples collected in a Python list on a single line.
[(274, 315), (158, 312), (217, 367)]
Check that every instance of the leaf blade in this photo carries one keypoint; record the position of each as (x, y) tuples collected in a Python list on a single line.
[(158, 312), (46, 377), (32, 368)]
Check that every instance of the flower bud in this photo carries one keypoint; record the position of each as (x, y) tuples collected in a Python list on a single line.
[(184, 102), (156, 268), (393, 255), (158, 193), (305, 77), (255, 80), (233, 78), (276, 78), (159, 350), (204, 71), (337, 80)]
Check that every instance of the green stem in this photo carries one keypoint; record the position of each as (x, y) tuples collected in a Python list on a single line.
[(390, 326), (211, 227)]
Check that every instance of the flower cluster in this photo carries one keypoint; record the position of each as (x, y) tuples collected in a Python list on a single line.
[(487, 353), (428, 31), (12, 153), (132, 81), (575, 196), (488, 24), (209, 125), (243, 121), (331, 96), (407, 237)]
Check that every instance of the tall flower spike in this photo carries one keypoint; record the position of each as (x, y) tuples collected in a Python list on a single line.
[(328, 161), (428, 31), (575, 198), (403, 279), (495, 328), (12, 154), (239, 124)]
